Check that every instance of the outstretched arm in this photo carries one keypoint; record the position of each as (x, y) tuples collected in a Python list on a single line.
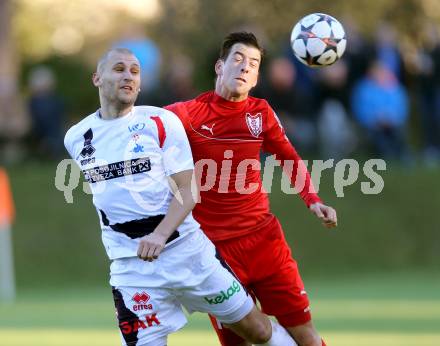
[(276, 142)]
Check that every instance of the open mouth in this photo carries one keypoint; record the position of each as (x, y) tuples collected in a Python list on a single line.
[(127, 87)]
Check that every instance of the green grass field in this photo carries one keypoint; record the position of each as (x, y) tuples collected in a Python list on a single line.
[(380, 310)]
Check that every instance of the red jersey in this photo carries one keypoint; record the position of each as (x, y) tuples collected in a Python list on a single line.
[(226, 140)]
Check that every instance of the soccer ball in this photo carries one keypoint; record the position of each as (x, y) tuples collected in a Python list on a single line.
[(318, 40)]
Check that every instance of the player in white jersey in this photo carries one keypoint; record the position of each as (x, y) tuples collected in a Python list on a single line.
[(161, 260)]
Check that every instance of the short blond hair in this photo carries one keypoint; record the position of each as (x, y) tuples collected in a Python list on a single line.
[(103, 60)]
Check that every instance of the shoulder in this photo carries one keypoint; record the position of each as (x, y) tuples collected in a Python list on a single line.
[(167, 117), (79, 128), (186, 106), (152, 111), (77, 134), (261, 105), (185, 110), (257, 101), (177, 108), (149, 111)]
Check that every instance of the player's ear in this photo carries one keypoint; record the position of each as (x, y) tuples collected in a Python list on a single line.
[(96, 79), (219, 67)]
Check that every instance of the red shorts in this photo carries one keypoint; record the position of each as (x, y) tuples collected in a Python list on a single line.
[(263, 262)]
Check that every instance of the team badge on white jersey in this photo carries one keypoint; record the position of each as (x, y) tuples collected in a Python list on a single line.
[(254, 123)]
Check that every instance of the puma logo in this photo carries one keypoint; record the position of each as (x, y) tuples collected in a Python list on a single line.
[(210, 129)]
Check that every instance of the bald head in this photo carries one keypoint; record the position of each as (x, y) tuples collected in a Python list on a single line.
[(106, 57), (118, 79)]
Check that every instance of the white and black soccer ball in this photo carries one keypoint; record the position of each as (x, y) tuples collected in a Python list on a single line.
[(318, 40)]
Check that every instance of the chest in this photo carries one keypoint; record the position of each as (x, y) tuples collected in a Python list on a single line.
[(214, 133), (107, 153)]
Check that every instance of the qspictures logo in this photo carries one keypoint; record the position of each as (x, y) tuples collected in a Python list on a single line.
[(234, 288), (223, 177)]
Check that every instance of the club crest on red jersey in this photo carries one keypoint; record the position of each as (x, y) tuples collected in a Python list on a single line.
[(254, 123)]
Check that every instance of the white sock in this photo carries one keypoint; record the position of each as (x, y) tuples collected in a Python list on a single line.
[(280, 336)]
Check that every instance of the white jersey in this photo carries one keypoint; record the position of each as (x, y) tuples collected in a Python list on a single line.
[(127, 162)]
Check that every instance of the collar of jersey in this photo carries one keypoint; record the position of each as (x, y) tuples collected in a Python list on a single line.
[(222, 102), (118, 120)]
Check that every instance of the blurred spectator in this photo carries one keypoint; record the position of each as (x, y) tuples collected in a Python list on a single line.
[(387, 50), (358, 54), (14, 121), (47, 112), (336, 133), (380, 105), (292, 103), (333, 83), (425, 64), (178, 82), (148, 55)]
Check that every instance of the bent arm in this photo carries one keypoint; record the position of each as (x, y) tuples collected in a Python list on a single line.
[(181, 204)]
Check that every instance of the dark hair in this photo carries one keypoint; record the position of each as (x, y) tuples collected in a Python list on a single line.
[(246, 38)]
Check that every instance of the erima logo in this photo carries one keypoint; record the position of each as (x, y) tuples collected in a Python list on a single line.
[(234, 288)]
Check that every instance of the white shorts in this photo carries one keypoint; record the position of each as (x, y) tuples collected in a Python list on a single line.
[(150, 296)]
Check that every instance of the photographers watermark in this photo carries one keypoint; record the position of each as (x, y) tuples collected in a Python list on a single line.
[(223, 177)]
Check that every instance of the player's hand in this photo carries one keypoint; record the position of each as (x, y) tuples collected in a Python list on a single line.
[(151, 246), (325, 213)]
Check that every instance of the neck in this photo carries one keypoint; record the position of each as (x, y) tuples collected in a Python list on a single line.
[(227, 94), (112, 111)]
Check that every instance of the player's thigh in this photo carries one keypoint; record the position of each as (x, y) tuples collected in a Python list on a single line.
[(220, 294), (283, 295), (157, 342), (147, 315), (277, 283)]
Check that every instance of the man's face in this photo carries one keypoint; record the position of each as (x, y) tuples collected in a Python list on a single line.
[(118, 78), (239, 72)]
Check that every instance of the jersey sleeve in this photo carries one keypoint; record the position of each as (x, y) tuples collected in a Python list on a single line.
[(177, 155), (68, 142), (276, 142)]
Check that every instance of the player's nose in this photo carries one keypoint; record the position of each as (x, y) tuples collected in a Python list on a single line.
[(128, 76), (245, 67)]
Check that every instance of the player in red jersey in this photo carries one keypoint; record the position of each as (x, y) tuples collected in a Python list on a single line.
[(227, 130)]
